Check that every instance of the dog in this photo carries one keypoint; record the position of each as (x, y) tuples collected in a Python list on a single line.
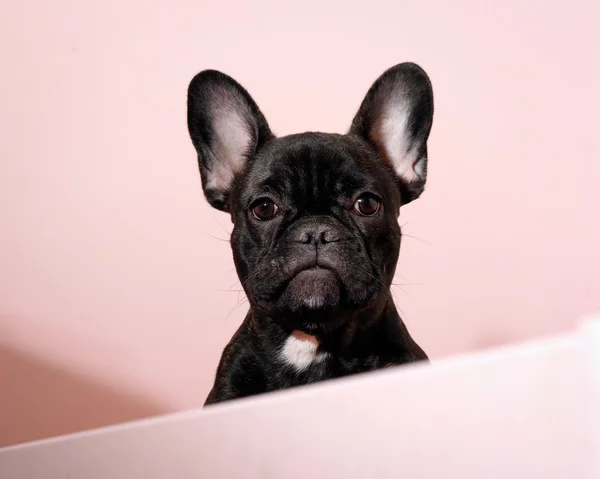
[(315, 235)]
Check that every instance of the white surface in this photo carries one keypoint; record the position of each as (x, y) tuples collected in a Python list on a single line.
[(592, 335), (521, 412)]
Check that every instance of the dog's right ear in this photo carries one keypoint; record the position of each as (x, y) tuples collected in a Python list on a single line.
[(395, 118), (226, 127)]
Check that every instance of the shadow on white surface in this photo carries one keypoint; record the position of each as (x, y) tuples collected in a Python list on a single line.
[(40, 400)]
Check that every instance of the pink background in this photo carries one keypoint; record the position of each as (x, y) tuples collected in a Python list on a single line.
[(117, 294)]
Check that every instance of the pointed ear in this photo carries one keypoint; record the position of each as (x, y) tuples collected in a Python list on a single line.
[(226, 127), (395, 118)]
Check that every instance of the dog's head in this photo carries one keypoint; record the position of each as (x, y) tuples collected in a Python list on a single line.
[(316, 236)]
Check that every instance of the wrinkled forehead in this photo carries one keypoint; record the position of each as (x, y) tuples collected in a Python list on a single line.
[(313, 165)]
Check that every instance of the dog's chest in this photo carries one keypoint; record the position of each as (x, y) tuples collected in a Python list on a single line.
[(300, 351)]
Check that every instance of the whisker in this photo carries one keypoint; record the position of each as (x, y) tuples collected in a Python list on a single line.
[(382, 284), (216, 238), (252, 276), (241, 291), (400, 288), (236, 307), (417, 238), (400, 276), (223, 228)]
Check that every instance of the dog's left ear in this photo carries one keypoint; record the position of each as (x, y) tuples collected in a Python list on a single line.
[(395, 118), (227, 128)]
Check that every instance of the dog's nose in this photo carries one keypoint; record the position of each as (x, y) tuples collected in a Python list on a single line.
[(316, 235)]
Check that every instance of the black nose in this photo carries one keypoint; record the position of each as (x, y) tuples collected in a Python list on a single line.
[(316, 234)]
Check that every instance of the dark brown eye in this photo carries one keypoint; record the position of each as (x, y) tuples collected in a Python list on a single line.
[(367, 205), (264, 209)]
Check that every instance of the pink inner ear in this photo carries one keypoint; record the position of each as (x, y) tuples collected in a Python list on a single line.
[(391, 136), (231, 143)]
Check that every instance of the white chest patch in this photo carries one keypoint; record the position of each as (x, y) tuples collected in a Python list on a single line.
[(300, 350)]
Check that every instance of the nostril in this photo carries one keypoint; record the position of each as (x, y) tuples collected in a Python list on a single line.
[(303, 237), (329, 236), (317, 236)]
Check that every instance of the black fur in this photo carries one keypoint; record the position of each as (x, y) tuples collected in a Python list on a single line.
[(318, 266)]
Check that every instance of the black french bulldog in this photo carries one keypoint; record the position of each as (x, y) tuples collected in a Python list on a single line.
[(315, 229)]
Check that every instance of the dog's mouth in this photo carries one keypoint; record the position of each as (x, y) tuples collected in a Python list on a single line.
[(305, 293), (313, 289)]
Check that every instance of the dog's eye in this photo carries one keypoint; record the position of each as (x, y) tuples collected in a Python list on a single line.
[(367, 205), (264, 209)]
